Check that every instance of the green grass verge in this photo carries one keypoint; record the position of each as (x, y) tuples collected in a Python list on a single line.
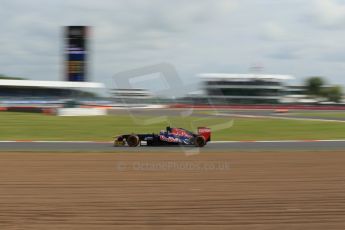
[(321, 114), (25, 126)]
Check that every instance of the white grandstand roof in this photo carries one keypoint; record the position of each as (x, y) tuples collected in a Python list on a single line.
[(50, 84), (224, 76)]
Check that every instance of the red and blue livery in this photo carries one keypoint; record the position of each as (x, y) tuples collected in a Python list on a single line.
[(169, 136)]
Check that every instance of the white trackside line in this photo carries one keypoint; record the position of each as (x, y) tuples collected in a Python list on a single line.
[(108, 142), (279, 141), (76, 142), (70, 141), (276, 117)]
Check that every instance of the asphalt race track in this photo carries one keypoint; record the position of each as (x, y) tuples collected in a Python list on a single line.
[(211, 147)]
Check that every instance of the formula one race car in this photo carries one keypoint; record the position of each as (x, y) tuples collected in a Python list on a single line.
[(170, 136)]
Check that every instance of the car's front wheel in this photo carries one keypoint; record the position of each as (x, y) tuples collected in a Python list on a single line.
[(119, 141), (132, 141)]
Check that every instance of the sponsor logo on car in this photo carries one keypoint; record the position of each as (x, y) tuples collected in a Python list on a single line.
[(180, 132), (168, 139), (204, 130)]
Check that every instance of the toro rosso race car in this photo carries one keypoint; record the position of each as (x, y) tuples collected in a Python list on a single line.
[(170, 136)]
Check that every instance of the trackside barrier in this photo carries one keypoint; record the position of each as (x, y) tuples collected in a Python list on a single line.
[(89, 111), (28, 109), (81, 112), (49, 111), (268, 107)]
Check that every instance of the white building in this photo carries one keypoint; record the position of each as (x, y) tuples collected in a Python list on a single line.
[(132, 96)]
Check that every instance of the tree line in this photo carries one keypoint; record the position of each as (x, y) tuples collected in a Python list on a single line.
[(316, 87)]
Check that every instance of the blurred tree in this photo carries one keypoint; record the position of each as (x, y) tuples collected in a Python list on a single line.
[(333, 93), (10, 78), (314, 86)]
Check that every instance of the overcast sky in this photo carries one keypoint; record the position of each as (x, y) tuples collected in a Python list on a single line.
[(297, 37)]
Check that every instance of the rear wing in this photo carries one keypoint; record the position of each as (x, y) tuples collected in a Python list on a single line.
[(205, 132)]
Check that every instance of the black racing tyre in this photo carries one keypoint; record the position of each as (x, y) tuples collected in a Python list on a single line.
[(199, 141), (132, 141), (119, 141)]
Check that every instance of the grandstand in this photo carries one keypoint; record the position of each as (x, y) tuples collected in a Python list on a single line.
[(30, 91), (243, 88)]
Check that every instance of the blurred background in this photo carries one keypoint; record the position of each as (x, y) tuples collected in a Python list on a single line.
[(224, 52)]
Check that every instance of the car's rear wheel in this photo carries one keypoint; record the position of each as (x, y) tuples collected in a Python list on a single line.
[(199, 141), (132, 140)]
